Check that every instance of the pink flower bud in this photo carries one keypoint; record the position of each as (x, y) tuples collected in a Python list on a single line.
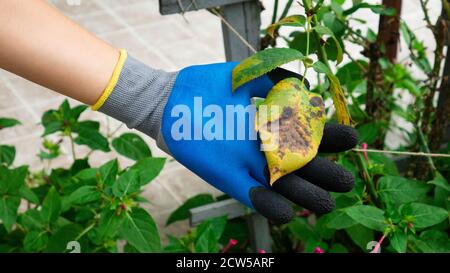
[(230, 244), (318, 250)]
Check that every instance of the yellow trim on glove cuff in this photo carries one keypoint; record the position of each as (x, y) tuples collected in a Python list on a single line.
[(112, 82)]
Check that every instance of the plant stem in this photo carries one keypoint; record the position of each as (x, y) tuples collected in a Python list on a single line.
[(425, 148), (275, 12), (446, 7), (308, 31), (286, 9), (86, 230), (368, 181)]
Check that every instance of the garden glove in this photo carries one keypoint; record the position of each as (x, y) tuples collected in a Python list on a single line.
[(153, 101)]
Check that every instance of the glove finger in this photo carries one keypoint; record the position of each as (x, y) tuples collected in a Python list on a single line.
[(327, 175), (259, 87), (338, 138), (271, 205), (305, 194), (279, 74)]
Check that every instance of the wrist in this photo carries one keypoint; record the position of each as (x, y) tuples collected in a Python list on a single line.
[(137, 95)]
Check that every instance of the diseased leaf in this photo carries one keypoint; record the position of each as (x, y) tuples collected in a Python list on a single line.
[(293, 21), (290, 123), (337, 93), (262, 63)]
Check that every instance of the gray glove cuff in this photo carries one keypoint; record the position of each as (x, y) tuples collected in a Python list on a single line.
[(139, 98)]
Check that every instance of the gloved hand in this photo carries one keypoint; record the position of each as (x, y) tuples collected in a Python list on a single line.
[(236, 167)]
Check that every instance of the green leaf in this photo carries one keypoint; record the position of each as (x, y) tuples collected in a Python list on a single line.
[(35, 241), (293, 21), (76, 111), (85, 194), (11, 180), (368, 132), (301, 230), (127, 183), (261, 63), (8, 122), (91, 138), (8, 211), (132, 146), (139, 229), (378, 9), (424, 215), (108, 225), (369, 216), (360, 235), (322, 30), (108, 172), (208, 235), (32, 220), (399, 241), (148, 168), (298, 43), (338, 248), (433, 241), (340, 220), (29, 195), (182, 212), (399, 190), (441, 182), (51, 207), (7, 154), (175, 246), (59, 241), (337, 93)]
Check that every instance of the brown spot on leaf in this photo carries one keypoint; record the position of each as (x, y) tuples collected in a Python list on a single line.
[(292, 135), (315, 101)]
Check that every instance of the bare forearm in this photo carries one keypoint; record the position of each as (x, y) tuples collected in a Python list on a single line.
[(40, 44)]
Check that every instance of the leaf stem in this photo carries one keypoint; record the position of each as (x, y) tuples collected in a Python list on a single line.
[(286, 9), (86, 230), (275, 11), (368, 181)]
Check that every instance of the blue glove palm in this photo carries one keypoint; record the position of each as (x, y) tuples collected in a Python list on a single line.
[(238, 167), (232, 166)]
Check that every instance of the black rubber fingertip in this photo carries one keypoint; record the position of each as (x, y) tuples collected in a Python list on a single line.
[(271, 205), (338, 138), (327, 175), (305, 194), (279, 74)]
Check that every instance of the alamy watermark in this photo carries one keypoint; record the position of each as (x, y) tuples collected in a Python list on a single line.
[(214, 122)]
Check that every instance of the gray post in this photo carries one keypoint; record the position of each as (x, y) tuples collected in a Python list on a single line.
[(246, 20), (244, 17)]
